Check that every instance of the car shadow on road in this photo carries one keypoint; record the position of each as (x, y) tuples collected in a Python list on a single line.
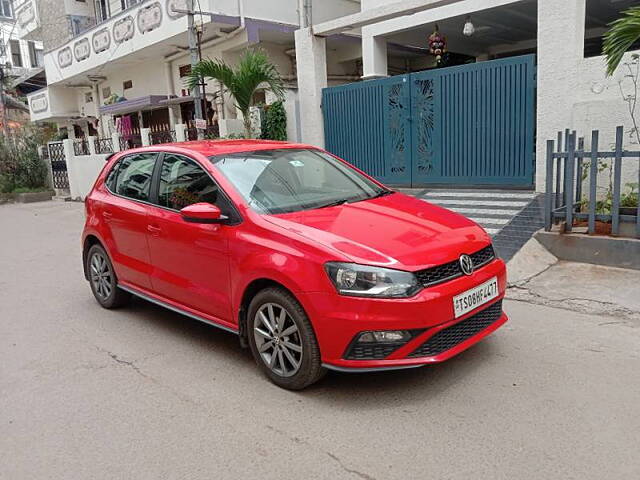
[(373, 390), (397, 388), (201, 335)]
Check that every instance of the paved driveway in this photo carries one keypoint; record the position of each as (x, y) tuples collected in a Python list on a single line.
[(143, 393)]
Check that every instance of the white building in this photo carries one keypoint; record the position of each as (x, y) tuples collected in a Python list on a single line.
[(137, 50), (565, 37), (20, 58)]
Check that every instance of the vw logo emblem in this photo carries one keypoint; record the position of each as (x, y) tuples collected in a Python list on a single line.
[(466, 264)]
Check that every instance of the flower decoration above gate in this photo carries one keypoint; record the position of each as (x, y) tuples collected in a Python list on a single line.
[(437, 44)]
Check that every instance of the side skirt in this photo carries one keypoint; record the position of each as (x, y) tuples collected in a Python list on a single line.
[(176, 309)]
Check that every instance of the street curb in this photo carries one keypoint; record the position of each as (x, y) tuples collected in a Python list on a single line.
[(607, 251)]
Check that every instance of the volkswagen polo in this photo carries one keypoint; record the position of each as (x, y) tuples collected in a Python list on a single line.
[(311, 262)]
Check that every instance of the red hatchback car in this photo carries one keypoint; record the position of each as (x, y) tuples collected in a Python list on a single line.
[(312, 263)]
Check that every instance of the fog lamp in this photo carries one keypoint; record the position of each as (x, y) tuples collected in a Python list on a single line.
[(385, 336)]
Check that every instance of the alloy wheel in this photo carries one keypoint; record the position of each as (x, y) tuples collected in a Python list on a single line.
[(278, 339), (101, 276)]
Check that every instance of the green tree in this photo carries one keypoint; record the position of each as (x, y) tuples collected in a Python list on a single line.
[(623, 34), (253, 70), (274, 122)]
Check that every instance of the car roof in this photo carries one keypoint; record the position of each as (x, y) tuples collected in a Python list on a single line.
[(220, 147)]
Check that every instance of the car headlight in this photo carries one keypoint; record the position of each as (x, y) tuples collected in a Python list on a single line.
[(364, 281)]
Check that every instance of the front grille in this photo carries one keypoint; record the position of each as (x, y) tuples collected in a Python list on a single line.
[(458, 333), (451, 270), (370, 352)]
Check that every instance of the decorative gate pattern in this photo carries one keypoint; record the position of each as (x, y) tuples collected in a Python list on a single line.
[(471, 124), (58, 165)]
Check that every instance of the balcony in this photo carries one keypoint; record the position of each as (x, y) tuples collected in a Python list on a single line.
[(53, 104), (27, 19), (141, 26)]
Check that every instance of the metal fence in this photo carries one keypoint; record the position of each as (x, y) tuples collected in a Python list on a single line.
[(81, 147), (569, 166), (162, 136), (55, 154), (104, 145), (133, 140)]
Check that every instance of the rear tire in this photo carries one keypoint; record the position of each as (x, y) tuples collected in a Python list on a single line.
[(103, 280), (282, 340)]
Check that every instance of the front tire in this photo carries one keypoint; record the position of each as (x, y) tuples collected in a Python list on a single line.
[(103, 280), (282, 340)]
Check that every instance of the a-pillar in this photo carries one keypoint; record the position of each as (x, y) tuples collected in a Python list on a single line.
[(374, 56), (311, 63)]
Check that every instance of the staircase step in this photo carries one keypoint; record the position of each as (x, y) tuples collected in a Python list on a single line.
[(510, 217)]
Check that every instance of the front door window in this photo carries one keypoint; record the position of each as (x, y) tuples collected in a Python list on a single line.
[(183, 183)]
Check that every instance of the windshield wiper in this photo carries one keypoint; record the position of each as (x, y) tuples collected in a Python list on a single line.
[(335, 203), (383, 193)]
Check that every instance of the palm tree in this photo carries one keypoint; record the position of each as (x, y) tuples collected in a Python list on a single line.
[(624, 32), (254, 69)]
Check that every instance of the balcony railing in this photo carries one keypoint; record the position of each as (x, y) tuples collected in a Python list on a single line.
[(143, 24)]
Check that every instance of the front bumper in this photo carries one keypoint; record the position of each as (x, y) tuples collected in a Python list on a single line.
[(337, 319)]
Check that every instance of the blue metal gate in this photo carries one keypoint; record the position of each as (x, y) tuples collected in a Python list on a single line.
[(465, 125)]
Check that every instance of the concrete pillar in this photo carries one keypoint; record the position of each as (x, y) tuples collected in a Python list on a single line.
[(96, 101), (220, 102), (115, 140), (180, 132), (311, 65), (145, 133), (374, 56), (171, 91), (92, 145), (71, 130), (69, 157), (231, 126), (41, 150), (560, 52)]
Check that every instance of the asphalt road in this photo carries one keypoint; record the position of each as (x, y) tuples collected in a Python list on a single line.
[(143, 393)]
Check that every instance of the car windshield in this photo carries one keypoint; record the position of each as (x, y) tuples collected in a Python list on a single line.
[(290, 180)]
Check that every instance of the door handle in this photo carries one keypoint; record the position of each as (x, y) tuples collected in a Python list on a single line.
[(153, 230), (107, 215)]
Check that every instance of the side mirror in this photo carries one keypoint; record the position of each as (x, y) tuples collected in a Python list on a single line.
[(202, 213)]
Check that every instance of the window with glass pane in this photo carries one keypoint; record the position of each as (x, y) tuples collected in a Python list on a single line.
[(183, 183), (5, 8), (16, 54), (134, 176), (288, 180)]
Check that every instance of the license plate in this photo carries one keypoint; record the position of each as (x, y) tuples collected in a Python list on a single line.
[(474, 297)]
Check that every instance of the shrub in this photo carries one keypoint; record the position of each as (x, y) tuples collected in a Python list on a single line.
[(20, 165), (274, 122)]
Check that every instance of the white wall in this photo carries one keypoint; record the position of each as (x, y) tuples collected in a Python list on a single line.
[(83, 172), (567, 86), (83, 8)]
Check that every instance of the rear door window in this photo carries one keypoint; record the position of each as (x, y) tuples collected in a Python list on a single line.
[(134, 174)]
